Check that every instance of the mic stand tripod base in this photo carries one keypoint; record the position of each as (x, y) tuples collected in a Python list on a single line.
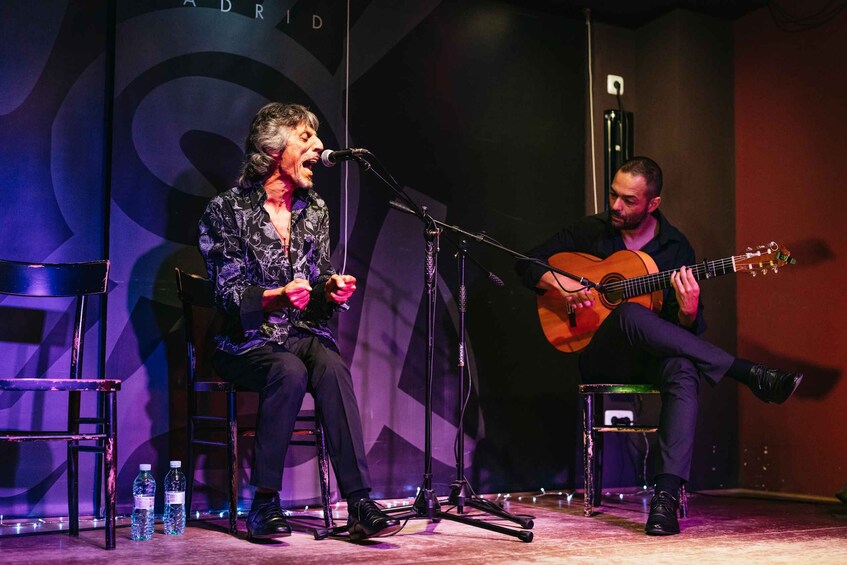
[(427, 506), (460, 498)]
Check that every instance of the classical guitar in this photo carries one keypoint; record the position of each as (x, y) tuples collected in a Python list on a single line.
[(632, 276)]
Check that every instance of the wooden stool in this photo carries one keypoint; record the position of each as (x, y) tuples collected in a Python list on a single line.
[(593, 443)]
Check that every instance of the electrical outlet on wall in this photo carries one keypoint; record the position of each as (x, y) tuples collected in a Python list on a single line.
[(618, 417), (610, 83)]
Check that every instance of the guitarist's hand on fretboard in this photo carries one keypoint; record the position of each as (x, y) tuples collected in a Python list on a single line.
[(687, 295)]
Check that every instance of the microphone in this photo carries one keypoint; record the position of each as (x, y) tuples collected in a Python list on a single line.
[(495, 279), (397, 205), (330, 158)]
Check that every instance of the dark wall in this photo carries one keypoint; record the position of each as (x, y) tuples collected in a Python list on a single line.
[(481, 109)]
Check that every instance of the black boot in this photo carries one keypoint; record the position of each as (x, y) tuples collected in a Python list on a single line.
[(366, 520), (266, 519), (773, 385), (662, 520)]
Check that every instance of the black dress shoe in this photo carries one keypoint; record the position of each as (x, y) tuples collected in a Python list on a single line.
[(366, 520), (662, 520), (266, 520), (773, 385)]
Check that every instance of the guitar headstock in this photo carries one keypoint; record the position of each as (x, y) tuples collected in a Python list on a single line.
[(763, 258)]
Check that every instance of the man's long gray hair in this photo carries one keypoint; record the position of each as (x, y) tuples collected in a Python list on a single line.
[(269, 133)]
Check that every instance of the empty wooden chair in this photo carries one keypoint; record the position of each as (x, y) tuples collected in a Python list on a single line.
[(80, 281)]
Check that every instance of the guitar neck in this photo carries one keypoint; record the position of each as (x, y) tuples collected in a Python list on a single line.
[(646, 284)]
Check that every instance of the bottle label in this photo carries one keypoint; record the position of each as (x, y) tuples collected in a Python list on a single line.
[(174, 497), (144, 502)]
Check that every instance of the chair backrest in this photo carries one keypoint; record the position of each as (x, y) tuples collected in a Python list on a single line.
[(53, 279), (202, 322), (58, 280)]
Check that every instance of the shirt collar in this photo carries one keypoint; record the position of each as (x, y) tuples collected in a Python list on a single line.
[(667, 232), (256, 196)]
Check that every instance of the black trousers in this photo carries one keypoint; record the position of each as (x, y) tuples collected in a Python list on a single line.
[(634, 345), (282, 374)]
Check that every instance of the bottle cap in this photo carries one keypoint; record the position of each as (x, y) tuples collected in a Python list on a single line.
[(144, 467), (175, 464)]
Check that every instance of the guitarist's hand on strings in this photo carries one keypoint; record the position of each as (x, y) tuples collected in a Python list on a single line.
[(576, 295), (687, 295)]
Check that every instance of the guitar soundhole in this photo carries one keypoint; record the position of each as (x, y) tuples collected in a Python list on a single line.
[(613, 294)]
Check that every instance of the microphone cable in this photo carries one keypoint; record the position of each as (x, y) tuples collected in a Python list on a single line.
[(345, 236)]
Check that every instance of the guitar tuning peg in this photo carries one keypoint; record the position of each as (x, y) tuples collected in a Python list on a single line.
[(753, 273), (749, 249), (764, 271), (775, 269)]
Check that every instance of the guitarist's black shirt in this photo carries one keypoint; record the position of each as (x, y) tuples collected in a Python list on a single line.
[(596, 236)]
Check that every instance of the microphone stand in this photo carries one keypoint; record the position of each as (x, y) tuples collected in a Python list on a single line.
[(426, 504)]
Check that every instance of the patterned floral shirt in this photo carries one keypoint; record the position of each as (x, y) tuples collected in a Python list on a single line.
[(245, 256)]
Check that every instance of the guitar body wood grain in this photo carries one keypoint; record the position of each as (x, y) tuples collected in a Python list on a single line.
[(571, 330)]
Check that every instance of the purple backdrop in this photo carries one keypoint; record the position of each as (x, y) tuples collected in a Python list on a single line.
[(457, 98)]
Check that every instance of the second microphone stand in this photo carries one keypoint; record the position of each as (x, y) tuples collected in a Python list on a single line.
[(426, 504)]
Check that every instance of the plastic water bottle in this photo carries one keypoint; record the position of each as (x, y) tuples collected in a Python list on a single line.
[(175, 501), (144, 493)]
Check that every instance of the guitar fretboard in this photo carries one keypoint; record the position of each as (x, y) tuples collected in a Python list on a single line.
[(653, 282)]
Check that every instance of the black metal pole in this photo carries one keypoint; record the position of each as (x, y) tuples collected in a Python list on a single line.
[(427, 503), (459, 490)]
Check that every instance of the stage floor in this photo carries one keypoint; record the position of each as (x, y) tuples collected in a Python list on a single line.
[(721, 528)]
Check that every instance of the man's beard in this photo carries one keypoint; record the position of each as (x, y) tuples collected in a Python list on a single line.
[(628, 223)]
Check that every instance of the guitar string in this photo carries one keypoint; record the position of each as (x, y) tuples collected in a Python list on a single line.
[(643, 284)]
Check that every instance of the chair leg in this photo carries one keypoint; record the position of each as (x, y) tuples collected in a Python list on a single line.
[(588, 451), (73, 488), (110, 466), (597, 472), (189, 454), (323, 473), (73, 464), (98, 458), (232, 460)]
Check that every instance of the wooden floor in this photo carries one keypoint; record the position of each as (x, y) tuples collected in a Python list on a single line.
[(720, 529)]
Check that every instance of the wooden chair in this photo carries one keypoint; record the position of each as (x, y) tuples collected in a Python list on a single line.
[(79, 280), (197, 296), (592, 434)]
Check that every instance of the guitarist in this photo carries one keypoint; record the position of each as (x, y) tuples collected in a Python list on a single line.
[(636, 345)]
